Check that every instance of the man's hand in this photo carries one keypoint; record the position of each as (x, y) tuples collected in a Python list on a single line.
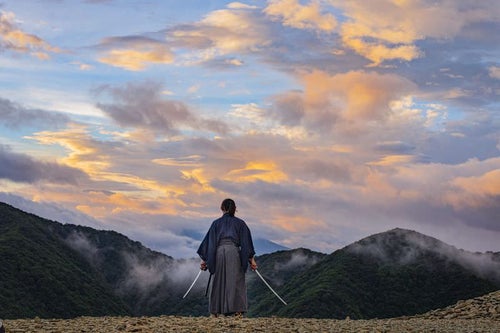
[(203, 265), (253, 263)]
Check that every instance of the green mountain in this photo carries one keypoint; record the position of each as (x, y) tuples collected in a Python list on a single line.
[(278, 269), (395, 273), (49, 269), (42, 276), (134, 273)]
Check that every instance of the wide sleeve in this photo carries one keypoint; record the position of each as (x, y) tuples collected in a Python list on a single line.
[(246, 244), (207, 248), (203, 248)]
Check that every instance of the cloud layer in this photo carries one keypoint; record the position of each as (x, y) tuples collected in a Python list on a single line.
[(326, 121)]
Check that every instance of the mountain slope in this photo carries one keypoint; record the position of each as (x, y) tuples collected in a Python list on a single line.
[(69, 270), (42, 276), (399, 272), (49, 269), (150, 282), (277, 268)]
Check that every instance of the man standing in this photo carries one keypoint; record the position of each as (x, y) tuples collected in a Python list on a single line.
[(226, 251)]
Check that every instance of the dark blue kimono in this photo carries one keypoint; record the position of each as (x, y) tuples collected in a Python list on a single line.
[(227, 227)]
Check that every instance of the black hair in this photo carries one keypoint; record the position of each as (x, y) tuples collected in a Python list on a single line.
[(228, 205)]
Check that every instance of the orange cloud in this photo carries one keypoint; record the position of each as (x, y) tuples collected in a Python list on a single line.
[(487, 184), (354, 95), (295, 15), (378, 53), (378, 188), (266, 171), (121, 190), (237, 31), (53, 193), (17, 40), (295, 223), (475, 191), (200, 181), (473, 184), (393, 160), (388, 29), (138, 59), (82, 153), (101, 206), (97, 211), (221, 32)]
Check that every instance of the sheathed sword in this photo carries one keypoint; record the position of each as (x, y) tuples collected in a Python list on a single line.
[(267, 284), (208, 285), (192, 284)]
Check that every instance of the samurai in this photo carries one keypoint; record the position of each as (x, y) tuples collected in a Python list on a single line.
[(226, 251)]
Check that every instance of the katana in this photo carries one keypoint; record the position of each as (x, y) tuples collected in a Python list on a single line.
[(192, 284), (267, 284)]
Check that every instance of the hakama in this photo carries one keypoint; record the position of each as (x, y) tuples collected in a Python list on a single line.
[(228, 294)]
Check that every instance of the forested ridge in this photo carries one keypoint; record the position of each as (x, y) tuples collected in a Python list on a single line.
[(49, 269), (42, 276)]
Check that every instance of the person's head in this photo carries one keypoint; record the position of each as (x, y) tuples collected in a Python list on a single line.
[(228, 206)]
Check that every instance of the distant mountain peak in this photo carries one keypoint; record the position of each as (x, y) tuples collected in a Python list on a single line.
[(401, 246), (379, 244), (263, 246)]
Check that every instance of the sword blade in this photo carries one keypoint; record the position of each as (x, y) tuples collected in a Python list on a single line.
[(267, 284), (192, 284)]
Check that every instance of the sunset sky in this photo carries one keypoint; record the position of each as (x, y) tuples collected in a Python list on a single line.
[(326, 121)]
